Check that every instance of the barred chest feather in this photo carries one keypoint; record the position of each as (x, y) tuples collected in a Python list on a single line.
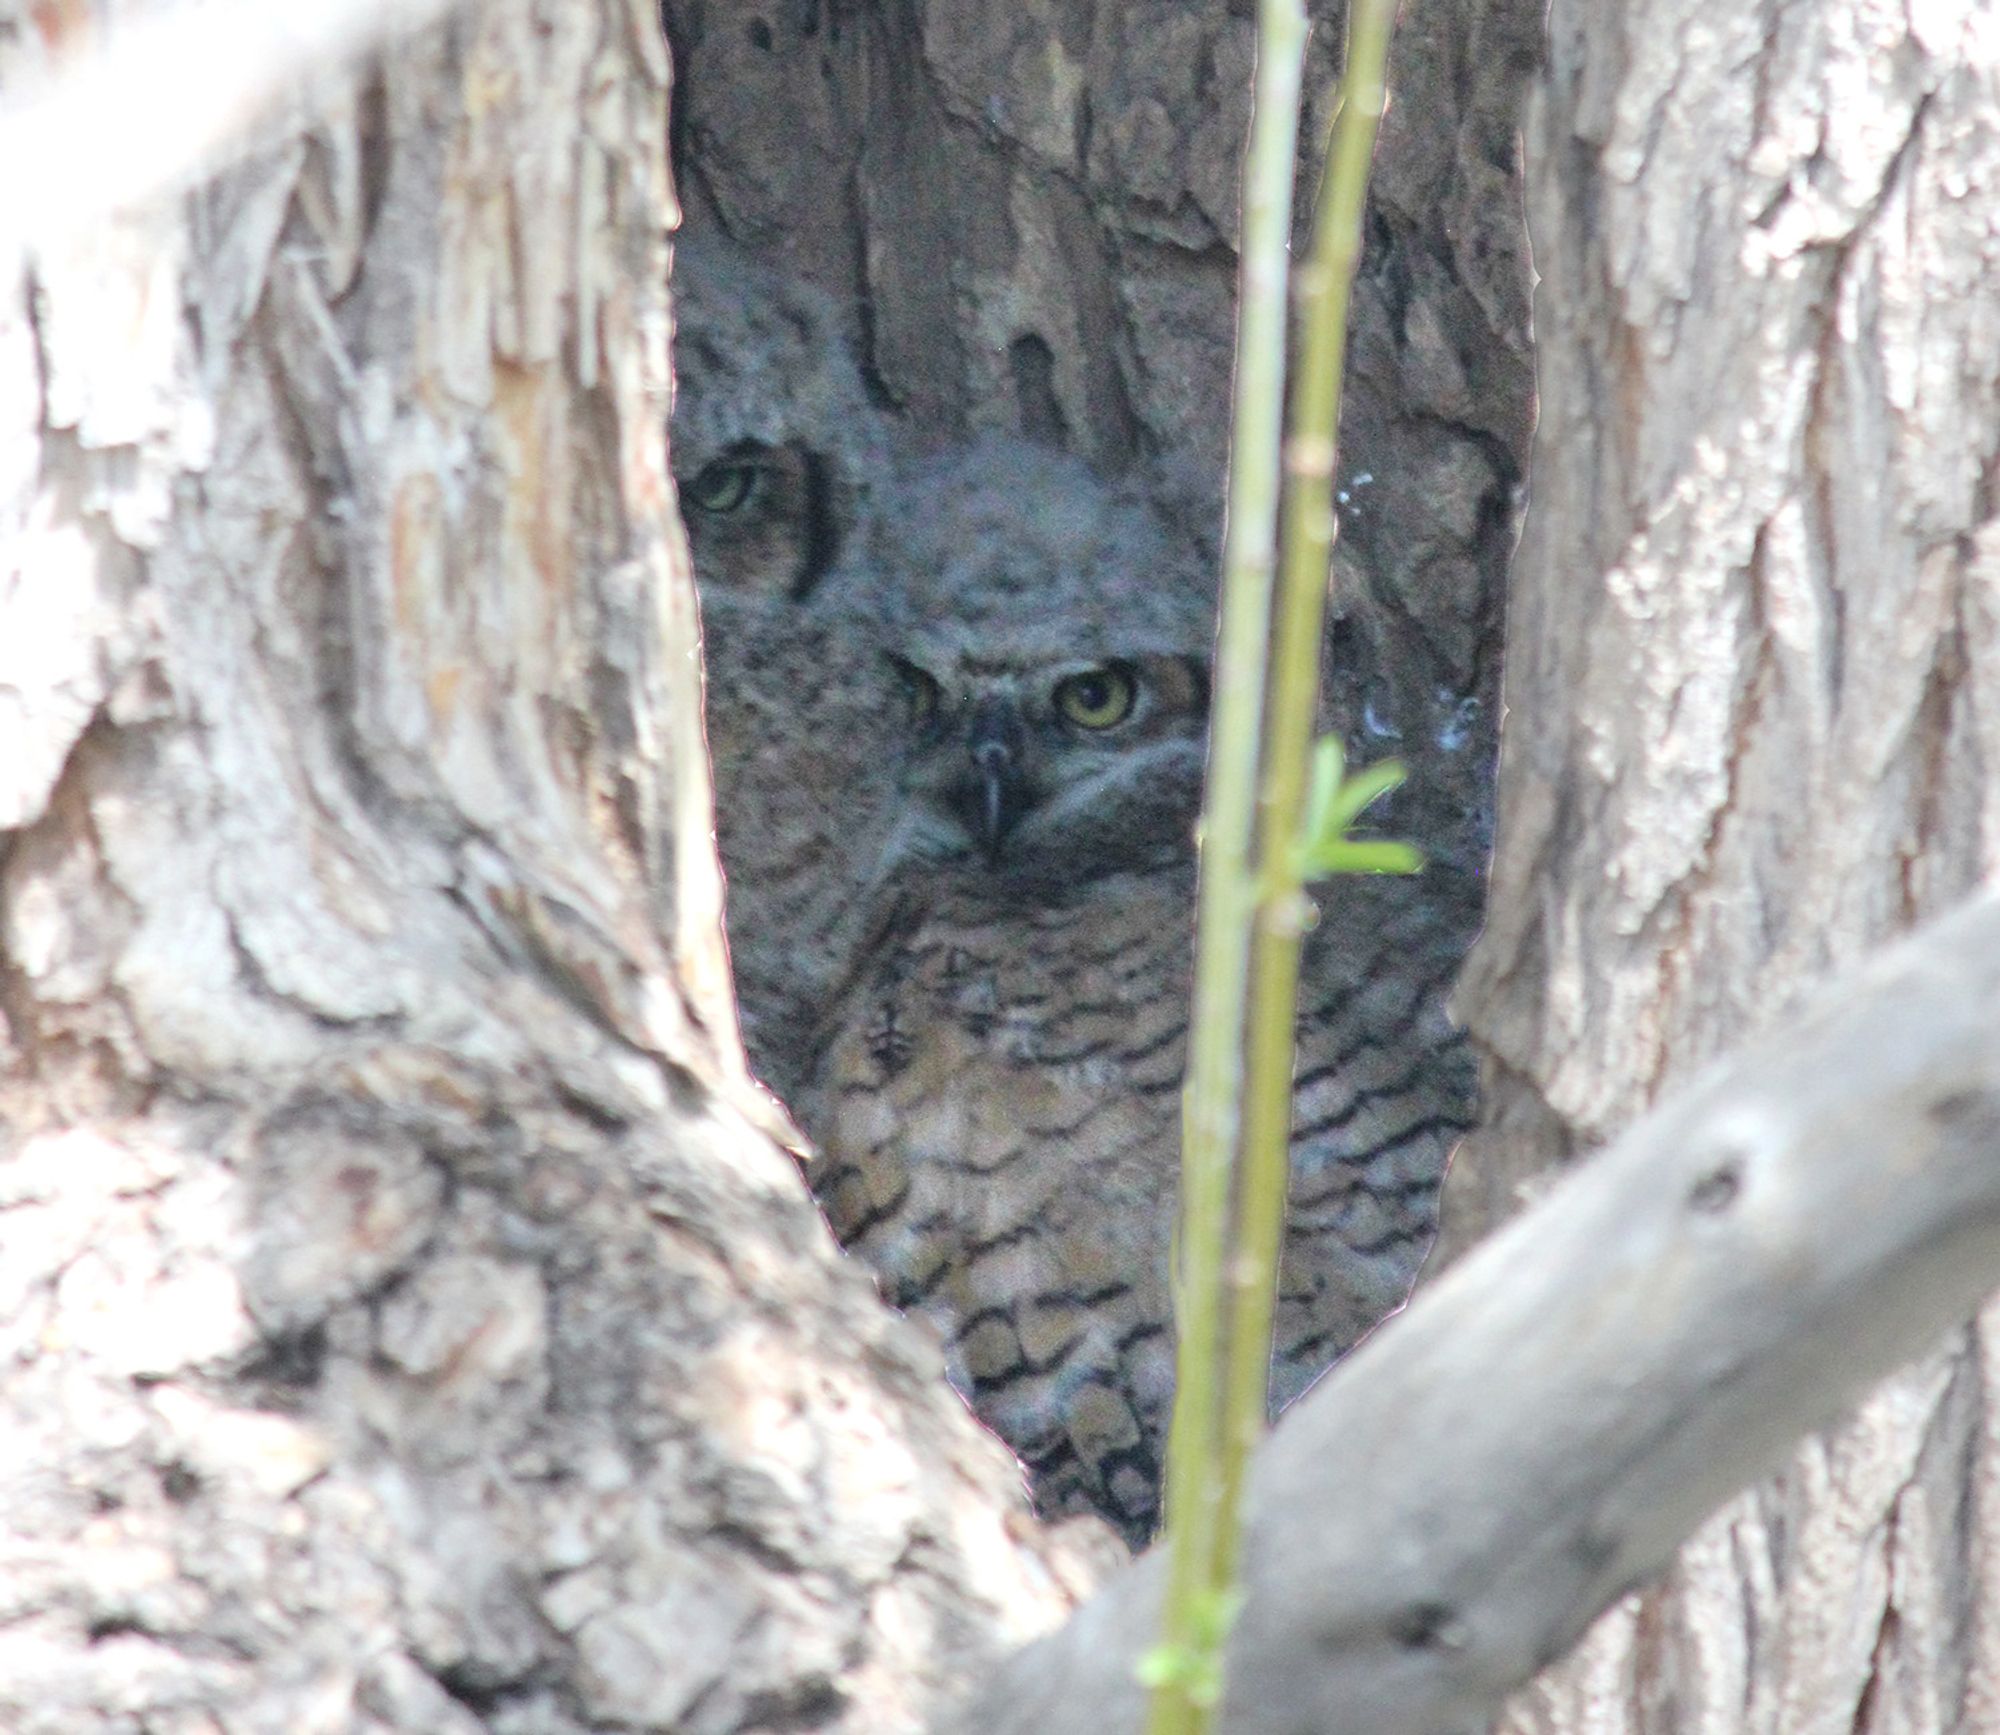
[(1000, 1117)]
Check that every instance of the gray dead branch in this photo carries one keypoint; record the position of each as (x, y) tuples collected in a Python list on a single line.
[(1540, 1430)]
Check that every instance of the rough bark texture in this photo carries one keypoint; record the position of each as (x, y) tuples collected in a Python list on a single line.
[(403, 1326), (1754, 729), (1031, 210)]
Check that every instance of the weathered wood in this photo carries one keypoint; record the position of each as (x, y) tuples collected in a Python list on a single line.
[(401, 1319), (1754, 725), (1543, 1426), (403, 1324)]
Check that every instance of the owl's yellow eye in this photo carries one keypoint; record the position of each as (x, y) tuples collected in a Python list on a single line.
[(1099, 698), (920, 690), (724, 486)]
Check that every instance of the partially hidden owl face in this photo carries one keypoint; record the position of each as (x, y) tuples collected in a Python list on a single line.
[(761, 518), (774, 442), (1052, 644)]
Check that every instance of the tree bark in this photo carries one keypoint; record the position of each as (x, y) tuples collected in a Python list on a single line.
[(1753, 726), (406, 1324)]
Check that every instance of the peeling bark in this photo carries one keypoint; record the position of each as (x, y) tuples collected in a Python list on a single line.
[(407, 1325), (1752, 711)]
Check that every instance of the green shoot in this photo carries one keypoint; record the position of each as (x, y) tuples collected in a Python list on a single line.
[(1334, 803), (1264, 767)]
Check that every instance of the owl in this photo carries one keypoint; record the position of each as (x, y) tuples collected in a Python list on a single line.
[(997, 1107), (777, 452), (774, 443), (805, 741)]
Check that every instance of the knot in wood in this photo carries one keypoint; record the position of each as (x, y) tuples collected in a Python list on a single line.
[(1717, 1187), (1430, 1626)]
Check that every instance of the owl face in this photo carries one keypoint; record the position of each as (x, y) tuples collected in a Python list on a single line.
[(774, 443), (1068, 766), (761, 518), (1052, 646)]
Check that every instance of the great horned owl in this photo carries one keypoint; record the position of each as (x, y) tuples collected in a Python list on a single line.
[(777, 451), (775, 445), (805, 737), (999, 1111)]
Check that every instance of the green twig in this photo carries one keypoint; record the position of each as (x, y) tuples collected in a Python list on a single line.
[(1185, 1672), (1325, 287), (1239, 1090)]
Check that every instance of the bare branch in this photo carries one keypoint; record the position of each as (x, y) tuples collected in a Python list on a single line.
[(1539, 1431), (166, 97)]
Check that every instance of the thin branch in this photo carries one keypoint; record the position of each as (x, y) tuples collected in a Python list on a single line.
[(1325, 284), (1211, 1114), (1541, 1428), (165, 98)]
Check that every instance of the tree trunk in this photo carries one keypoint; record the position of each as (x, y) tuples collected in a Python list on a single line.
[(407, 1324), (1753, 726), (406, 1327)]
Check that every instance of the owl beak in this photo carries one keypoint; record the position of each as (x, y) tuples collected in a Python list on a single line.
[(995, 765), (995, 745)]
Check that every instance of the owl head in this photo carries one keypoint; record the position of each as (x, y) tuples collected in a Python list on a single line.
[(774, 443), (1052, 640)]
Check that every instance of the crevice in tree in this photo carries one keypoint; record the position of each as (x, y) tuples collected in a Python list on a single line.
[(326, 610), (1888, 1632), (812, 1705), (1032, 364), (1933, 742), (372, 132), (738, 1536), (483, 1693), (180, 1483), (288, 1364)]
